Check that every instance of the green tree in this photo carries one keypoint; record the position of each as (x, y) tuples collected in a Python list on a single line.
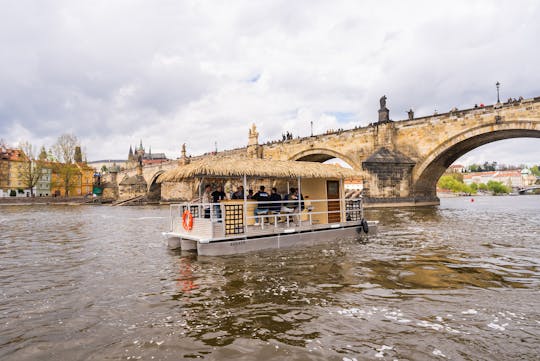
[(454, 183), (535, 170), (497, 187)]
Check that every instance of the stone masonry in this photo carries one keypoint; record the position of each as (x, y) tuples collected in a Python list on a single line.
[(400, 161)]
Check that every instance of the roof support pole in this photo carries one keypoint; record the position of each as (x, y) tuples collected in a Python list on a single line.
[(201, 208), (245, 204), (341, 201), (299, 203)]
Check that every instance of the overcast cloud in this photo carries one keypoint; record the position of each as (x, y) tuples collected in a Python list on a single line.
[(198, 72)]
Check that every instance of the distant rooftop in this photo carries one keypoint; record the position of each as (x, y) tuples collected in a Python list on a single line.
[(107, 161)]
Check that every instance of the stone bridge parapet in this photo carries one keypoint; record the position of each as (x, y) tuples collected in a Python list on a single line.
[(401, 161)]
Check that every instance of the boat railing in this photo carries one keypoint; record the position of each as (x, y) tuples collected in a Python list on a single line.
[(214, 220)]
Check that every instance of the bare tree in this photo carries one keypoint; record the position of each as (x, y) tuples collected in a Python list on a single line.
[(67, 171), (64, 148), (32, 167)]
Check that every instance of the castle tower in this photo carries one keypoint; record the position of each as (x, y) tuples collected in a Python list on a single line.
[(130, 154), (140, 151)]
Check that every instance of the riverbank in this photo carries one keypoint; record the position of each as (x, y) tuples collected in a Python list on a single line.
[(7, 201)]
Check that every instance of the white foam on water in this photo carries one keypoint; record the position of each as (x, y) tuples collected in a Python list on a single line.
[(404, 320), (381, 350), (497, 327), (438, 353), (351, 311), (469, 312), (434, 326)]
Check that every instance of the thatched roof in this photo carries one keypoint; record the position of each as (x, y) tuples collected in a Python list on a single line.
[(235, 167)]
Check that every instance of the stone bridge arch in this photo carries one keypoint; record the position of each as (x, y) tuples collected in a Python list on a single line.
[(154, 189), (427, 172), (323, 154)]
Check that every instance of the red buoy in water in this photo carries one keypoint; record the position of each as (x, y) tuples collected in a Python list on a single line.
[(472, 199)]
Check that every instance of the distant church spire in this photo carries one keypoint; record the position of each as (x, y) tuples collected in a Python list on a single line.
[(130, 154)]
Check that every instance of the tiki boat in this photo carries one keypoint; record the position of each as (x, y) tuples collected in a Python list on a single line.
[(233, 226)]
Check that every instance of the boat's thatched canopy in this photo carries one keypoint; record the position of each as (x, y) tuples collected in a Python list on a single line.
[(238, 167)]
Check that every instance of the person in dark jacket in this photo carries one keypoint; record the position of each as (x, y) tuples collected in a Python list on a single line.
[(274, 197), (262, 208), (239, 194), (217, 196)]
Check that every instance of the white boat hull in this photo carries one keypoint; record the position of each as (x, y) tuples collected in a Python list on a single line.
[(271, 241)]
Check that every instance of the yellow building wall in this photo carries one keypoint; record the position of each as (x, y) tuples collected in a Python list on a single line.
[(87, 179), (15, 175), (313, 190), (57, 184), (56, 188), (4, 174)]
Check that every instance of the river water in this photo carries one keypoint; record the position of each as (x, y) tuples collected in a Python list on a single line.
[(460, 282)]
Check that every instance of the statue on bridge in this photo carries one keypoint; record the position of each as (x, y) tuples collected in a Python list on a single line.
[(383, 102), (410, 113), (384, 113)]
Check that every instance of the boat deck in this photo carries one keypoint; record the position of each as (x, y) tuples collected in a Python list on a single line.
[(220, 229)]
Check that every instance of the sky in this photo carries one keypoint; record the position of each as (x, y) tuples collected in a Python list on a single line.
[(116, 72)]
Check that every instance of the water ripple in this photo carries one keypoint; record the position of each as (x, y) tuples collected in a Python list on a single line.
[(93, 283)]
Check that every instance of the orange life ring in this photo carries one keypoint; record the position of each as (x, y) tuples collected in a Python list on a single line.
[(187, 220)]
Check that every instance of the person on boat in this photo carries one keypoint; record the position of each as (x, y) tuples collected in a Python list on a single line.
[(206, 200), (291, 203), (274, 197), (262, 207), (217, 196), (239, 194), (250, 194)]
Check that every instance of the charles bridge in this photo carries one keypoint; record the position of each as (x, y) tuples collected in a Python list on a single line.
[(400, 161)]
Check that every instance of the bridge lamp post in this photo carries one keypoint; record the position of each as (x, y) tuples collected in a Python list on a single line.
[(498, 85)]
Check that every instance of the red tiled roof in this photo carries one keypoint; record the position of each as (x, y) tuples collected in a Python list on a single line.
[(12, 154)]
